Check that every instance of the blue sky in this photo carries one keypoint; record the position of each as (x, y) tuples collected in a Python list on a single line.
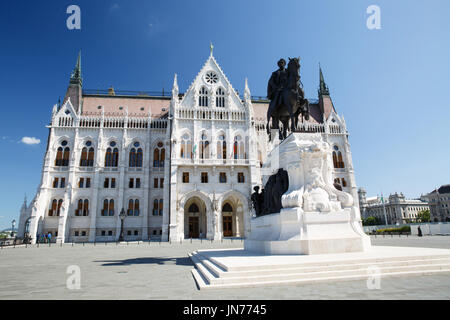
[(390, 84)]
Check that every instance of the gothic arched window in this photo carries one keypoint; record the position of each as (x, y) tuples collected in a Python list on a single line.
[(53, 208), (159, 154), (203, 97), (112, 155), (186, 147), (132, 162), (133, 207), (59, 156), (139, 158), (84, 156), (161, 202), (90, 161), (66, 156), (82, 208), (108, 207), (238, 148), (135, 158), (204, 147), (220, 98), (115, 157), (108, 157), (338, 162), (62, 155), (221, 147), (155, 207)]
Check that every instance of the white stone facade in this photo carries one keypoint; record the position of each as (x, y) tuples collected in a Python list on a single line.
[(210, 144)]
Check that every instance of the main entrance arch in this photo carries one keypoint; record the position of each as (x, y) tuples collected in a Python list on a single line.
[(234, 214), (195, 220)]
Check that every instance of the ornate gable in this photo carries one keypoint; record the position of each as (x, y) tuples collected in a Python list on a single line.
[(209, 84), (66, 110)]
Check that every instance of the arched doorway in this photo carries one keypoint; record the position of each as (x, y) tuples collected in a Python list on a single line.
[(234, 211), (227, 220), (195, 218)]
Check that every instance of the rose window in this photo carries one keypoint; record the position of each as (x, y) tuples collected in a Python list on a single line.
[(211, 77)]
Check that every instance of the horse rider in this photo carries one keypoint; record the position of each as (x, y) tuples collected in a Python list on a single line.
[(277, 83)]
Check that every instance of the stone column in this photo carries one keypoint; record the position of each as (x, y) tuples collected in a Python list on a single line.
[(218, 235), (94, 204), (238, 224), (209, 224)]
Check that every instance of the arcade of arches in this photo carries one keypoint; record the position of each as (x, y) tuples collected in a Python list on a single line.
[(228, 220)]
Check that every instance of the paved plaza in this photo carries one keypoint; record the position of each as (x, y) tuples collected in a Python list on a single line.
[(163, 271)]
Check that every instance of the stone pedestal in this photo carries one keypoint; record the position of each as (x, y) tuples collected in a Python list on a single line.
[(294, 231), (316, 217)]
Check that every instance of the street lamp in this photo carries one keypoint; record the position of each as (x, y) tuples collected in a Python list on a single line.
[(13, 225), (122, 216)]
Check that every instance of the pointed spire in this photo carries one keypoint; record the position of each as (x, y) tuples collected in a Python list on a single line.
[(175, 85), (247, 94), (323, 89), (211, 47), (24, 205), (75, 77)]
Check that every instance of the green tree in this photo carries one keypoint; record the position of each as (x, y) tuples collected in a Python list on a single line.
[(371, 221), (423, 216)]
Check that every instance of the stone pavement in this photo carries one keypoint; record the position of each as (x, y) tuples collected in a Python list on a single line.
[(163, 271)]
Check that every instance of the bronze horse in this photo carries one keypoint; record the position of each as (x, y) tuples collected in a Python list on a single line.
[(291, 102)]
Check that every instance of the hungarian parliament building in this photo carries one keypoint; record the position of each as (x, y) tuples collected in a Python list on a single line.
[(163, 166)]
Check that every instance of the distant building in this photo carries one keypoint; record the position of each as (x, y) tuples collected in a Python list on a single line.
[(439, 202), (398, 209)]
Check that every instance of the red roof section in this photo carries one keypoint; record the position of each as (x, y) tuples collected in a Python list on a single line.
[(117, 105)]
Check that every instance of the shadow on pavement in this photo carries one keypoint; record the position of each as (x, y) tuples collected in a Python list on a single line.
[(184, 261)]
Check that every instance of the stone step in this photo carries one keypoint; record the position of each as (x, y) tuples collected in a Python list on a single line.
[(208, 274), (220, 272), (321, 274), (244, 284), (266, 266), (202, 271)]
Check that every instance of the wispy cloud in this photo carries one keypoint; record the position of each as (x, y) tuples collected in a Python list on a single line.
[(30, 140)]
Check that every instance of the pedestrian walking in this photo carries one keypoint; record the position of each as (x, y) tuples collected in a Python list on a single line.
[(419, 231)]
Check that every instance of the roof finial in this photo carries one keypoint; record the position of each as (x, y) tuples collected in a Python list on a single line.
[(76, 73), (323, 88), (211, 47)]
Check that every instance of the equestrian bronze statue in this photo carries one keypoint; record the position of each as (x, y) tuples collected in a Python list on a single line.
[(287, 98)]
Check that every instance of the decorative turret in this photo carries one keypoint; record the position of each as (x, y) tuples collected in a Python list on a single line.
[(248, 99), (24, 205), (75, 77), (325, 103), (175, 89), (74, 91), (323, 88)]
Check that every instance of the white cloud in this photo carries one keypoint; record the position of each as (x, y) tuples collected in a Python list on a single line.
[(30, 140)]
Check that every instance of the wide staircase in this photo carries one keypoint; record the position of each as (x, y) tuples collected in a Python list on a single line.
[(211, 272)]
